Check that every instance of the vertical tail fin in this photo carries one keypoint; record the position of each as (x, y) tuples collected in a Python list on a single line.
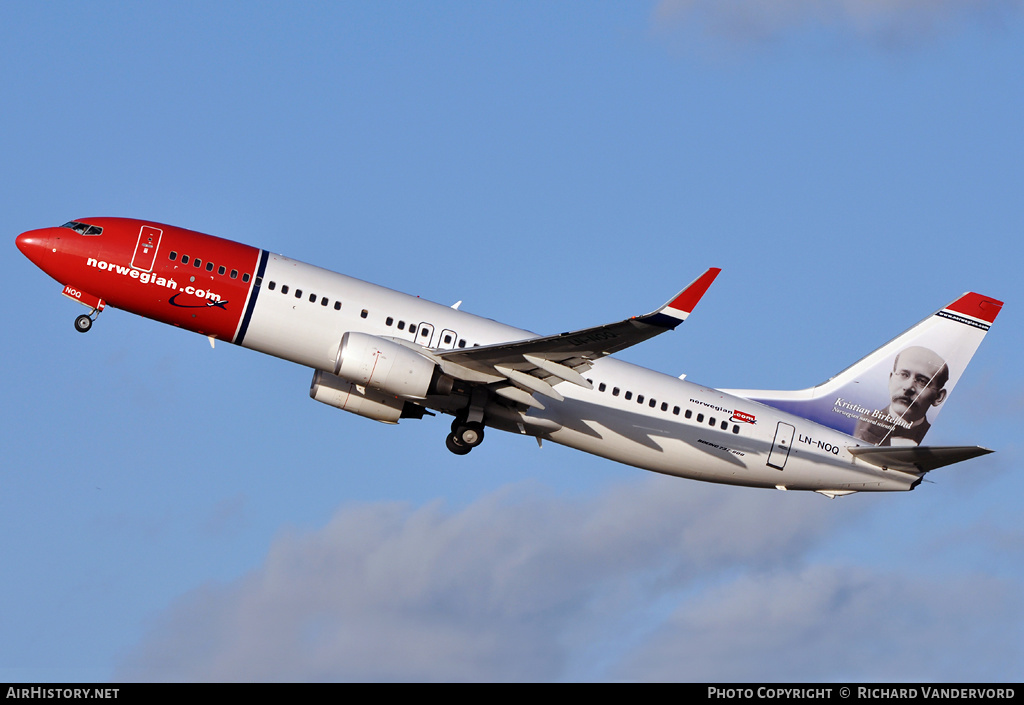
[(891, 396)]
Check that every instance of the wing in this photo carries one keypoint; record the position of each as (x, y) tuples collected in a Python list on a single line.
[(520, 368)]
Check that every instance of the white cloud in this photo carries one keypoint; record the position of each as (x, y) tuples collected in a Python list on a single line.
[(493, 591), (829, 623), (651, 580)]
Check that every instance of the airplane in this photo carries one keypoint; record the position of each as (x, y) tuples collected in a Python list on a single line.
[(387, 356)]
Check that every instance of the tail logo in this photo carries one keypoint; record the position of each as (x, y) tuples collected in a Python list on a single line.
[(891, 397), (917, 383)]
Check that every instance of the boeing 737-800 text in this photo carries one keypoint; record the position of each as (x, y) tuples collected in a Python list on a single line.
[(387, 356)]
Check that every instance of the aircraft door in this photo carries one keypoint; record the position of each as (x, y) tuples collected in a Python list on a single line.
[(425, 334), (145, 248), (780, 448), (447, 339)]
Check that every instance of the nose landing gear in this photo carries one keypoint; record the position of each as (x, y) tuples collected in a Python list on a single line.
[(84, 322)]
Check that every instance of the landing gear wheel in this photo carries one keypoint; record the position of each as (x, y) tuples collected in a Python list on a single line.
[(83, 323), (456, 447), (470, 434)]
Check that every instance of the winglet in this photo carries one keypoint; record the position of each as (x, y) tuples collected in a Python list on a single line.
[(675, 311)]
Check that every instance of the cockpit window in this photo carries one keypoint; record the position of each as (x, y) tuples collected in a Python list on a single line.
[(83, 228)]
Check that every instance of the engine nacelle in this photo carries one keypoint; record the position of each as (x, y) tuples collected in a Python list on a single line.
[(384, 365), (348, 396)]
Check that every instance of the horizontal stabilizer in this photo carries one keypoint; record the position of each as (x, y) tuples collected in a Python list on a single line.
[(917, 459)]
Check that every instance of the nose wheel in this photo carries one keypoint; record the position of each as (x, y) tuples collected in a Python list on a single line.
[(84, 322)]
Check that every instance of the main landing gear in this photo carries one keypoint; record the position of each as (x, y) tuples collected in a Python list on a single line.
[(468, 426), (84, 322), (465, 436)]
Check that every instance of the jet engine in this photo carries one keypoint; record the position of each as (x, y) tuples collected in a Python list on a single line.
[(384, 365), (348, 396)]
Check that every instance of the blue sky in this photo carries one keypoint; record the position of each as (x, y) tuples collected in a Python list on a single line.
[(174, 512)]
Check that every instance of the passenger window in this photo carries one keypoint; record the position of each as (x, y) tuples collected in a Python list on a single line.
[(173, 256), (462, 343), (323, 301), (337, 305), (601, 387), (615, 392), (447, 339), (284, 288), (234, 274), (245, 277), (209, 266), (298, 293), (688, 414), (312, 298), (364, 313), (259, 281), (401, 325), (221, 269), (664, 406), (675, 410), (271, 285), (629, 395), (412, 329), (388, 321), (725, 425), (700, 418), (197, 263), (184, 259), (711, 421), (640, 399), (652, 403), (735, 429)]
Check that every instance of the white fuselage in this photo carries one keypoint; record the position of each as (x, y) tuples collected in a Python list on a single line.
[(632, 415)]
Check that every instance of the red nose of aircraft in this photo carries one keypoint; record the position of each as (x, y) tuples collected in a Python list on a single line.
[(34, 243)]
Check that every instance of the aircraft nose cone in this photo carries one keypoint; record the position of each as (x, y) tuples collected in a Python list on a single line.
[(33, 243), (26, 241)]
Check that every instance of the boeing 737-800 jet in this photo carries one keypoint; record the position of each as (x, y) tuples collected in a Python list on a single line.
[(387, 356)]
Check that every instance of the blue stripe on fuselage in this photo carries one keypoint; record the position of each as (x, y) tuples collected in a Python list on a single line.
[(251, 306)]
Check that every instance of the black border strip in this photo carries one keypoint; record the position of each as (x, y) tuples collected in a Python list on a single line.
[(962, 319), (251, 306)]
